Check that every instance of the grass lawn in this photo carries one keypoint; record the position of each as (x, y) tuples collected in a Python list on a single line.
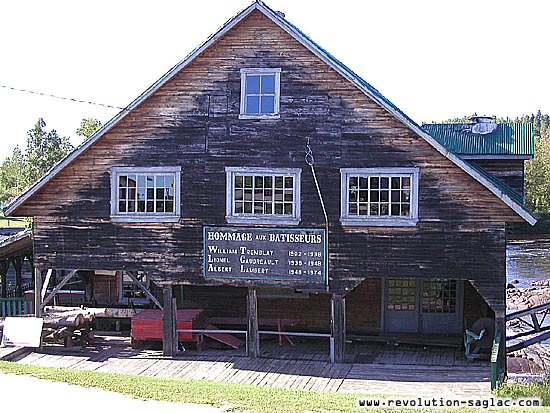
[(240, 397)]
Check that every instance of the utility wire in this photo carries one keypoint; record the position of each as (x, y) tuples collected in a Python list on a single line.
[(59, 97)]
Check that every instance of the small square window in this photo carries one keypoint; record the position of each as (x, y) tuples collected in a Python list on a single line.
[(271, 196), (379, 196), (260, 92)]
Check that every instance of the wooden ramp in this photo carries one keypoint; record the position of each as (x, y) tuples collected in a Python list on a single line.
[(224, 338), (535, 327)]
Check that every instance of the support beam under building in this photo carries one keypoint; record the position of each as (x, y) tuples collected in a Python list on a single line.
[(338, 328), (253, 337), (169, 323)]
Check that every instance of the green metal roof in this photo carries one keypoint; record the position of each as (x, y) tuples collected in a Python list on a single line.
[(507, 139)]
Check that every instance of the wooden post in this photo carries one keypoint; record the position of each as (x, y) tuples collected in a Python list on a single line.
[(338, 328), (37, 292), (169, 335), (18, 265), (4, 266), (500, 327), (253, 343)]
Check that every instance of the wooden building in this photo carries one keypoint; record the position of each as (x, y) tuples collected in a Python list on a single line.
[(261, 178)]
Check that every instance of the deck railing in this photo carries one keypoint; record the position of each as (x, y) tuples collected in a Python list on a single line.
[(10, 307)]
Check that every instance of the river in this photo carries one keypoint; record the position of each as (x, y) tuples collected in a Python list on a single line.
[(527, 261)]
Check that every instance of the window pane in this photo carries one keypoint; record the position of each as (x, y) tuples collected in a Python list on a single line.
[(169, 206), (395, 196), (252, 104), (252, 84), (268, 104), (289, 182), (384, 183), (248, 182), (268, 84), (395, 182), (288, 209), (375, 182), (132, 181), (122, 206), (122, 181), (141, 180), (160, 193), (238, 181), (160, 206), (353, 182), (141, 194), (169, 181), (150, 206), (363, 183), (278, 182), (141, 206), (239, 207), (122, 194)]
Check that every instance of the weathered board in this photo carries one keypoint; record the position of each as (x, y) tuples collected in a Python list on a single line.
[(193, 121), (292, 254)]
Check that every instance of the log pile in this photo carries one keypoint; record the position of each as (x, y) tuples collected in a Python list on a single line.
[(69, 324)]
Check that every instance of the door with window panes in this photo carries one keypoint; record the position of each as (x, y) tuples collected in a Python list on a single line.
[(428, 306)]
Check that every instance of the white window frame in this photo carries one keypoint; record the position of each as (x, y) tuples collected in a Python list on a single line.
[(260, 71), (376, 220), (117, 216), (262, 219)]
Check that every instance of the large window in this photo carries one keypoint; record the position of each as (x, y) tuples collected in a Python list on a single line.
[(379, 196), (260, 89), (265, 196), (145, 194)]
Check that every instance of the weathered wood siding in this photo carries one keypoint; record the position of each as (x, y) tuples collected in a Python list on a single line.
[(510, 171), (192, 122)]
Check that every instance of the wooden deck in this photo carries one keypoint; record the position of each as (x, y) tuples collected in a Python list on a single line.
[(379, 370)]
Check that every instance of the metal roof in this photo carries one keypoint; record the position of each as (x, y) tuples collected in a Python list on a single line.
[(507, 139), (321, 53)]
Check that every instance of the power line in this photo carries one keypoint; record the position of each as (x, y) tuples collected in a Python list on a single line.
[(59, 97)]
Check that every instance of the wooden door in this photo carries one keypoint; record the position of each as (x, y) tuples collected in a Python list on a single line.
[(401, 305)]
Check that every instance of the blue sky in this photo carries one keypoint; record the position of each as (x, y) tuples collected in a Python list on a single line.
[(433, 59)]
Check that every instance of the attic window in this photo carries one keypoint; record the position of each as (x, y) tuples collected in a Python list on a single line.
[(145, 194), (260, 90)]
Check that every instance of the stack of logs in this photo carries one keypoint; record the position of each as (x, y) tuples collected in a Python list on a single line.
[(68, 324)]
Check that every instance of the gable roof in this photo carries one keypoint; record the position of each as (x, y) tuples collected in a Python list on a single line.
[(506, 140), (321, 53)]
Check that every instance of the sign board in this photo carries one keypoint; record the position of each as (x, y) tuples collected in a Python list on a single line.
[(267, 254), (22, 331)]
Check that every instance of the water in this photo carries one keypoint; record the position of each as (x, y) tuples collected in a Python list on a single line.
[(528, 261)]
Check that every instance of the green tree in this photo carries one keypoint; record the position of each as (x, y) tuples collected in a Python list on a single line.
[(13, 177), (88, 126), (537, 170), (44, 149)]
